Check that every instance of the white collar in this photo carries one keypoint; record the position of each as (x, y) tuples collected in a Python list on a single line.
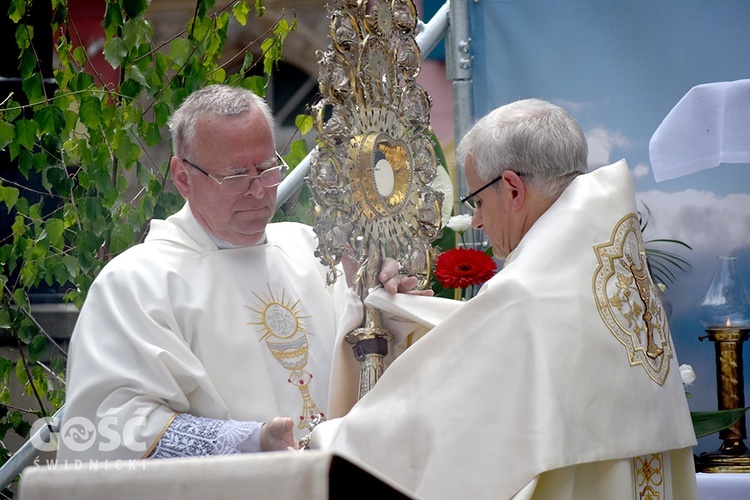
[(222, 245)]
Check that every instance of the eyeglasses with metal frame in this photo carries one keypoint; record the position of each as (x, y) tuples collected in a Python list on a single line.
[(470, 204), (235, 184)]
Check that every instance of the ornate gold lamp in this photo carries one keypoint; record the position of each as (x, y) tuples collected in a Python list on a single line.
[(374, 162), (725, 311)]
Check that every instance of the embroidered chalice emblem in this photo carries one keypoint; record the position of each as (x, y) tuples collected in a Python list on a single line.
[(628, 302), (284, 333)]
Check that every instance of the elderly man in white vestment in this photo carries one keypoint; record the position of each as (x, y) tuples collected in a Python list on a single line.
[(220, 322), (559, 379)]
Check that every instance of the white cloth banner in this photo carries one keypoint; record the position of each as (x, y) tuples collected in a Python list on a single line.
[(709, 126)]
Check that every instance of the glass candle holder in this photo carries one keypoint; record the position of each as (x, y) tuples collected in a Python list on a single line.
[(727, 301), (725, 312)]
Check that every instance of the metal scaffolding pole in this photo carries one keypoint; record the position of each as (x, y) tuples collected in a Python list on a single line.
[(29, 451), (459, 68)]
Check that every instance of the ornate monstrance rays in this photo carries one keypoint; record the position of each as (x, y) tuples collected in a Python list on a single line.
[(369, 178)]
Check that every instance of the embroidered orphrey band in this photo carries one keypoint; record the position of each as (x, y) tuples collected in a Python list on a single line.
[(649, 476)]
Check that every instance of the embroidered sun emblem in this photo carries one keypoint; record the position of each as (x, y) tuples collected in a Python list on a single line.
[(628, 302), (280, 321)]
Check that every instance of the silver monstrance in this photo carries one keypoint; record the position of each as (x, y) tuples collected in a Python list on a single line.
[(370, 176)]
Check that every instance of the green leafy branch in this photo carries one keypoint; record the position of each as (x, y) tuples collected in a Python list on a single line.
[(706, 423), (663, 263)]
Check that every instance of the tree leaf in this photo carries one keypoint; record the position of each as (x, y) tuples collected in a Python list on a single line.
[(57, 364), (256, 84), (81, 81), (240, 11), (115, 51), (161, 113), (32, 87), (130, 89), (135, 74), (304, 123), (59, 13), (7, 133), (708, 422), (26, 133), (50, 120), (247, 62), (134, 8), (24, 35), (79, 55), (152, 135), (179, 51), (9, 196), (4, 324), (297, 152), (24, 162), (122, 238), (90, 111), (37, 348), (112, 19), (55, 228), (16, 10)]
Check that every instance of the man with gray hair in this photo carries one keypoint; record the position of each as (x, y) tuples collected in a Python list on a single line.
[(220, 322), (559, 379), (530, 150)]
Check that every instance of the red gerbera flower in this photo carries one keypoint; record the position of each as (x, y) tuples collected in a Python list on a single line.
[(462, 267)]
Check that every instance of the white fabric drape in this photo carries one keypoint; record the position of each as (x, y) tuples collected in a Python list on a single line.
[(710, 125)]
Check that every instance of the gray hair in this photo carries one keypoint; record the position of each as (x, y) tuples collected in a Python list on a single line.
[(218, 100), (531, 137)]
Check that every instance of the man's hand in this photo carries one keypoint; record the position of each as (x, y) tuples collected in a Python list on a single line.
[(394, 283), (276, 435)]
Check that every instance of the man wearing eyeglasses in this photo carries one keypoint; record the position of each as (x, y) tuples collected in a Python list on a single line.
[(559, 379), (195, 342)]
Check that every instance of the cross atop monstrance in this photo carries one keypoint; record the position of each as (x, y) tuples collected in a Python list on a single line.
[(371, 173)]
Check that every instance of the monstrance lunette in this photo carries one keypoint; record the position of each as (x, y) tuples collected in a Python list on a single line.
[(375, 159)]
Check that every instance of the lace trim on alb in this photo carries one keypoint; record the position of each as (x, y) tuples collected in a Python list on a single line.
[(191, 436)]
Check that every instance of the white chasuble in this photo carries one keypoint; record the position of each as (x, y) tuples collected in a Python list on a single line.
[(176, 325), (562, 368)]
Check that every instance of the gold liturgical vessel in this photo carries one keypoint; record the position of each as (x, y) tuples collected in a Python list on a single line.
[(726, 313), (371, 173)]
